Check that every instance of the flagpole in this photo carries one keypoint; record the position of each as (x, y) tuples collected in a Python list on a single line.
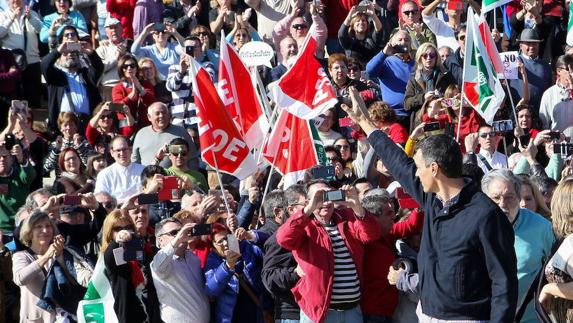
[(511, 100), (220, 182), (266, 188), (460, 114), (262, 93)]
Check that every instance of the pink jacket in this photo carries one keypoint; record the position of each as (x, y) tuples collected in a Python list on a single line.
[(312, 249)]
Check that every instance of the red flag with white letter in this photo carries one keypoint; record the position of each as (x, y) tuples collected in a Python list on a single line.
[(291, 147), (222, 146), (240, 97), (305, 89)]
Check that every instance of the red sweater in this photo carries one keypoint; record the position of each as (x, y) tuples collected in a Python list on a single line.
[(92, 134), (397, 133), (378, 296), (336, 12), (138, 105), (312, 249), (122, 10)]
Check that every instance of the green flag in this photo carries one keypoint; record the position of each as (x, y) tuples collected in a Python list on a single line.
[(97, 305)]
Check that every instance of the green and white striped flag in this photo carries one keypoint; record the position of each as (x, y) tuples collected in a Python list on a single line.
[(570, 26), (481, 86), (488, 5), (97, 305)]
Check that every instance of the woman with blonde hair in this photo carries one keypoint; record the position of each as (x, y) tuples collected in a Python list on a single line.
[(428, 80), (557, 295), (531, 198)]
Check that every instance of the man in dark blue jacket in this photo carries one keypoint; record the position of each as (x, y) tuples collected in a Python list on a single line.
[(467, 262)]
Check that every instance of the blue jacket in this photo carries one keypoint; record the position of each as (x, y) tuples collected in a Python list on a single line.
[(222, 284), (467, 261)]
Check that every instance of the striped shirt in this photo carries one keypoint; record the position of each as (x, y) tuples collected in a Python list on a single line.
[(346, 287)]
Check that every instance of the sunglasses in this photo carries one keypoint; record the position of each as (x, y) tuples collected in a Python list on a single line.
[(487, 134), (409, 12), (201, 33), (299, 26), (462, 37), (342, 146), (171, 233), (106, 116), (429, 55), (70, 35), (126, 66), (180, 153)]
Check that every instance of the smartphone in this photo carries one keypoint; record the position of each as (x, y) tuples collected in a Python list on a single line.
[(431, 126), (190, 50), (455, 5), (73, 47), (170, 182), (19, 107), (502, 126), (118, 107), (325, 172), (133, 250), (334, 196), (159, 27), (233, 243), (524, 140), (201, 230), (345, 122), (151, 198), (554, 135), (72, 200), (9, 141), (400, 49)]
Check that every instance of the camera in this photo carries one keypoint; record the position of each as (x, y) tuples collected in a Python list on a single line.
[(501, 126), (334, 196), (190, 50), (563, 149)]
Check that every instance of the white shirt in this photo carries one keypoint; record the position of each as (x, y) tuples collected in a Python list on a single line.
[(12, 33), (444, 33), (108, 52), (496, 161), (179, 283), (556, 114), (119, 181)]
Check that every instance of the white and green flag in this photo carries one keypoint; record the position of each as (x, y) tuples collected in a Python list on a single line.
[(97, 305), (487, 5), (481, 85)]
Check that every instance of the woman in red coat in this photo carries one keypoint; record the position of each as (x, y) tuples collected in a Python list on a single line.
[(131, 91)]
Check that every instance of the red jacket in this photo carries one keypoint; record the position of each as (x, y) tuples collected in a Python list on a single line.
[(312, 250), (138, 105), (378, 257)]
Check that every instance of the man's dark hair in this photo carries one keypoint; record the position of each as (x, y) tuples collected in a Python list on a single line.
[(564, 61), (195, 38), (458, 30), (445, 151), (544, 184), (179, 142), (314, 182), (293, 192), (332, 149), (274, 199), (149, 171)]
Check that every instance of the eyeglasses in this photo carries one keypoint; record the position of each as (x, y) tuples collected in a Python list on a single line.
[(462, 37), (126, 66), (119, 228), (409, 12), (429, 55), (70, 34), (171, 233), (299, 26), (106, 116), (181, 153), (487, 134), (342, 146), (201, 33)]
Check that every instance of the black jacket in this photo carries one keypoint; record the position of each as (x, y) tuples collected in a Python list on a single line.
[(279, 277), (455, 65), (467, 261), (57, 84)]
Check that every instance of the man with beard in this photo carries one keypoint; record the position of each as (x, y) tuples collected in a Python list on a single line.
[(72, 87), (149, 144)]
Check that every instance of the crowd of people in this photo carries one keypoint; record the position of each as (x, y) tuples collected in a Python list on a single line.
[(420, 212)]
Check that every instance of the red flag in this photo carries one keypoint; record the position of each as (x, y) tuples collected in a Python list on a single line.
[(222, 146), (291, 146), (240, 97), (305, 90)]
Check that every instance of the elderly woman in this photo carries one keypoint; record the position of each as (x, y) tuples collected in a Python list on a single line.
[(429, 79), (110, 123), (163, 52), (233, 279), (557, 294), (68, 124), (355, 36), (63, 16), (31, 268), (132, 90), (73, 179)]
